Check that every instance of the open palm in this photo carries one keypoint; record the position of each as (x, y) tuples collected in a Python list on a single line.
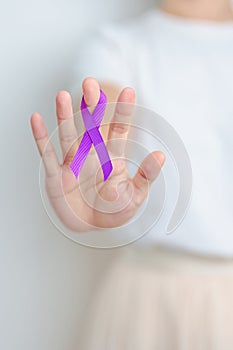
[(90, 203)]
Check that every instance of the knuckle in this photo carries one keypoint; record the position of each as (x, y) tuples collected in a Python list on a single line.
[(119, 128), (142, 173), (48, 154), (67, 138)]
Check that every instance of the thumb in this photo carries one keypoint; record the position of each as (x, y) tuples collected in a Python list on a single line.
[(147, 173)]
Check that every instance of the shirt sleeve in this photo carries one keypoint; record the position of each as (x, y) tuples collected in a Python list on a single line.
[(103, 56)]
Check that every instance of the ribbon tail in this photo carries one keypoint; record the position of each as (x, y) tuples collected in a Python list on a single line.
[(107, 169), (101, 151), (81, 154)]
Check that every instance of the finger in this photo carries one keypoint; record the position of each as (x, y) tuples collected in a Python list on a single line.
[(44, 145), (66, 125), (91, 92), (119, 127), (146, 174), (67, 130)]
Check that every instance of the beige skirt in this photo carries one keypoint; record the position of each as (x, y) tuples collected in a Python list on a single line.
[(159, 299)]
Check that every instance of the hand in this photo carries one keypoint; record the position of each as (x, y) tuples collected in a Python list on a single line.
[(91, 203)]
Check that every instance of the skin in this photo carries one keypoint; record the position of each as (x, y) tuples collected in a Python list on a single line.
[(210, 10), (122, 194)]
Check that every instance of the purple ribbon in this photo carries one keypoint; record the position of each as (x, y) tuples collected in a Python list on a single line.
[(92, 136)]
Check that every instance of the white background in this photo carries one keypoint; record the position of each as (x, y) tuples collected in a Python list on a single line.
[(44, 277)]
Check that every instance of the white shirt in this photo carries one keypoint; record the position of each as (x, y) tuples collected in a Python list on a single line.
[(183, 70)]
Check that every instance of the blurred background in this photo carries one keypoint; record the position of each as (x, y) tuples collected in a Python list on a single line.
[(45, 279)]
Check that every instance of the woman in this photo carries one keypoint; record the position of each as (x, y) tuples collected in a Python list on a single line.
[(173, 292)]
